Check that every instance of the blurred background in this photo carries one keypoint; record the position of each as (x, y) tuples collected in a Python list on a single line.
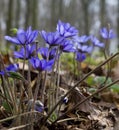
[(86, 15)]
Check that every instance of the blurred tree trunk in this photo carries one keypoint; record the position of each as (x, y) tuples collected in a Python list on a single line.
[(118, 23), (72, 14), (53, 13), (35, 14), (60, 9), (103, 21), (102, 12), (9, 16), (18, 9), (85, 5), (9, 20), (28, 18)]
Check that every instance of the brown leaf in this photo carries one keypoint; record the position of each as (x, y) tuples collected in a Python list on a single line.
[(75, 97)]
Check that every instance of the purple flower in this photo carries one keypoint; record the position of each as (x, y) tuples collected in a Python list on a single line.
[(66, 30), (96, 42), (81, 39), (41, 65), (81, 43), (10, 68), (47, 53), (107, 34), (80, 56), (65, 100), (81, 50), (84, 48), (26, 52), (67, 46), (23, 37), (38, 105), (51, 38)]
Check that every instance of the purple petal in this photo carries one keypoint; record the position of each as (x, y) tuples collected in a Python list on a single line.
[(50, 64), (33, 37), (18, 55), (12, 39), (12, 67), (2, 72), (61, 30), (21, 38), (50, 38), (80, 57)]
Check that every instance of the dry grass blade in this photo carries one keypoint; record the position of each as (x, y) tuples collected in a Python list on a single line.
[(19, 127)]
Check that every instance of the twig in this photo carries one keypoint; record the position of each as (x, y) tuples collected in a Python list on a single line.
[(19, 127)]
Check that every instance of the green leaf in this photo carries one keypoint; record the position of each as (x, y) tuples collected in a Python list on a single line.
[(53, 117), (16, 75), (90, 80), (6, 106), (92, 90), (115, 88), (101, 79)]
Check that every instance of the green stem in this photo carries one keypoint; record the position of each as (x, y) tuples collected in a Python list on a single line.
[(36, 90), (29, 82), (58, 80), (43, 88), (24, 60), (51, 91)]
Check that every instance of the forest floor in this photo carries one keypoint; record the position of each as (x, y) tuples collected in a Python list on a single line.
[(98, 110)]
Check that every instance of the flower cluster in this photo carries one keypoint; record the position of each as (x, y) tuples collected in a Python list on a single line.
[(107, 33), (65, 39)]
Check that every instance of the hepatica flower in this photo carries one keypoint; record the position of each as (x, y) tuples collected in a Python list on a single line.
[(23, 37), (41, 65), (10, 68), (66, 46), (51, 38), (38, 105), (66, 30), (96, 42), (25, 52), (84, 48), (47, 53), (81, 50), (81, 39), (80, 56), (107, 33)]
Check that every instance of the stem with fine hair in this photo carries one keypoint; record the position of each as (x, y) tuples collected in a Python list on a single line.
[(30, 95), (58, 80), (43, 87), (51, 91), (24, 46), (36, 89)]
